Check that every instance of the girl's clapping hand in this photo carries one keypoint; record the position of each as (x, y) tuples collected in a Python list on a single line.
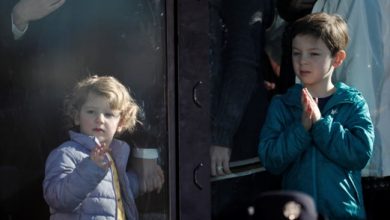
[(98, 155)]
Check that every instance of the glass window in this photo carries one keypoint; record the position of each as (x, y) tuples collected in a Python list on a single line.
[(40, 63)]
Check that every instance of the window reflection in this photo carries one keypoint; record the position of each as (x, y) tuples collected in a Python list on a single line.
[(40, 64)]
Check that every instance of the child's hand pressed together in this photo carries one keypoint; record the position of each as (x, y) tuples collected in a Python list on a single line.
[(98, 155), (311, 113)]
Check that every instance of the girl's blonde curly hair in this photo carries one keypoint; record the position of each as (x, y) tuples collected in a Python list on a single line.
[(118, 96)]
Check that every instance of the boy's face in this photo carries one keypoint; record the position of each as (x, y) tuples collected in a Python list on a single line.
[(312, 60), (96, 118)]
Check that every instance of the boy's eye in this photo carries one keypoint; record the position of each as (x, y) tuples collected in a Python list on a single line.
[(90, 111), (294, 53), (314, 54)]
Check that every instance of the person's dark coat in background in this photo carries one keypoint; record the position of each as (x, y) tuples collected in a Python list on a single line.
[(239, 100)]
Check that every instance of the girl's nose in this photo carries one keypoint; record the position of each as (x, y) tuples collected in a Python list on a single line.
[(100, 118)]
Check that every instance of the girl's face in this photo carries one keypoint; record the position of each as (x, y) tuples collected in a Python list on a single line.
[(96, 118), (312, 61)]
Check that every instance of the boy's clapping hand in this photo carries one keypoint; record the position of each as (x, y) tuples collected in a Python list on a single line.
[(311, 113)]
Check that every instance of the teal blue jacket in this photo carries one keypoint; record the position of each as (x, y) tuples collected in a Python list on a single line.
[(326, 161)]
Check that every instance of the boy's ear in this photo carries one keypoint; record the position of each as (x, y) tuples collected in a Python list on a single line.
[(339, 58)]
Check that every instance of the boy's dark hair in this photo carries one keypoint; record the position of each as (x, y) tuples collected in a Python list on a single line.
[(331, 29)]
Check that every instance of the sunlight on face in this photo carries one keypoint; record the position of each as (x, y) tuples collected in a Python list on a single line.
[(96, 118), (312, 60)]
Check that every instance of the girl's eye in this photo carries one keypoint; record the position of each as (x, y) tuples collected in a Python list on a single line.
[(90, 111), (109, 115), (314, 54)]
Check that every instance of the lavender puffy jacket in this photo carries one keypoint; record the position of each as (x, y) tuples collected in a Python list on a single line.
[(75, 188)]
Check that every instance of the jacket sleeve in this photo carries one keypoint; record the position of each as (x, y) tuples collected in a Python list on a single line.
[(133, 182), (6, 36), (349, 145), (281, 141), (67, 183)]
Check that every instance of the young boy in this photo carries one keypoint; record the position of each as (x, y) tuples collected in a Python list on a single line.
[(86, 177), (319, 135)]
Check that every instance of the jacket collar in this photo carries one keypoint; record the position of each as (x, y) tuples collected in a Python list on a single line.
[(343, 94), (87, 141), (119, 149)]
